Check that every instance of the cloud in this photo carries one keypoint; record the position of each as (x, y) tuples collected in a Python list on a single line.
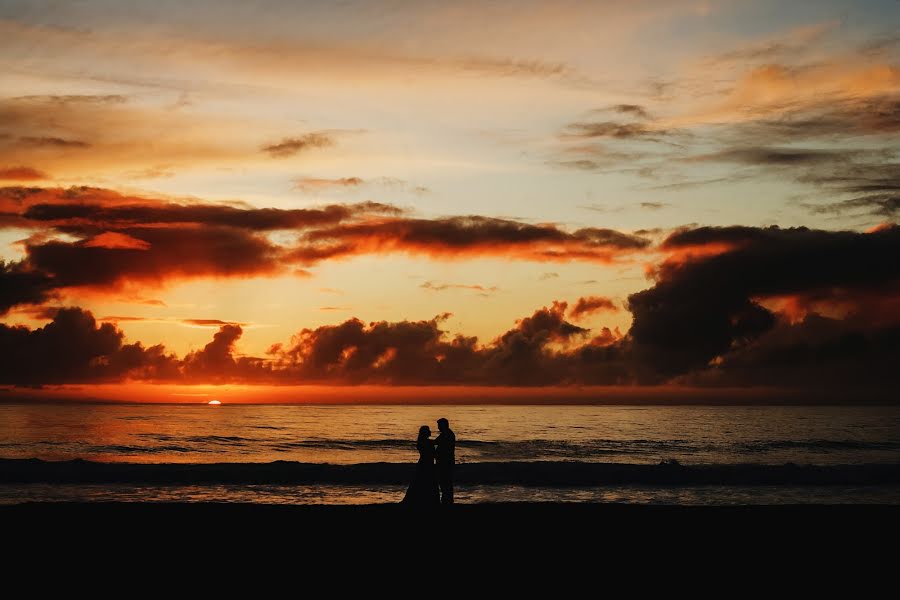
[(810, 309), (605, 208), (314, 183), (515, 68), (210, 323), (291, 146), (53, 142), (610, 129), (631, 109), (97, 210), (102, 99), (817, 352), (440, 287), (69, 136), (74, 348), (548, 275), (98, 238), (21, 174), (319, 184), (21, 285), (707, 304), (788, 45), (114, 240), (591, 304), (874, 188), (419, 352), (773, 156), (882, 205), (466, 237), (216, 360), (173, 253)]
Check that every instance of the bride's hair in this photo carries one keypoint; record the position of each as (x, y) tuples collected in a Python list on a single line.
[(424, 431)]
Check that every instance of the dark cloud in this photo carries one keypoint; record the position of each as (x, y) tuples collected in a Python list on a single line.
[(605, 208), (591, 304), (631, 109), (610, 129), (515, 68), (258, 219), (21, 285), (73, 348), (217, 361), (120, 238), (466, 236), (704, 305), (125, 318), (313, 183), (419, 352), (291, 146), (548, 275), (874, 187), (211, 323), (882, 205), (53, 142), (21, 174), (789, 307), (75, 99), (817, 352), (170, 253), (773, 156), (864, 116), (440, 287)]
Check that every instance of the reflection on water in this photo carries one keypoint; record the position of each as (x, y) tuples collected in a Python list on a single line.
[(359, 434)]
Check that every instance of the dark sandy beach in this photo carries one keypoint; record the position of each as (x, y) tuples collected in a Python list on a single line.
[(511, 545), (545, 518)]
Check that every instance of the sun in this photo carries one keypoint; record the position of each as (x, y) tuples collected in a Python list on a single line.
[(214, 402)]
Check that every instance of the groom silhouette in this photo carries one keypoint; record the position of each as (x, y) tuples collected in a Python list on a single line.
[(445, 458)]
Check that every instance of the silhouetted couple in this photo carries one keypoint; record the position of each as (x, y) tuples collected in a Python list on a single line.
[(433, 482)]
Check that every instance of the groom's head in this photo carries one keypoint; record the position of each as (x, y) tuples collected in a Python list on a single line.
[(443, 424)]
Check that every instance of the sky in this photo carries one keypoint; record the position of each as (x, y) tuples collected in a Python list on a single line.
[(652, 193)]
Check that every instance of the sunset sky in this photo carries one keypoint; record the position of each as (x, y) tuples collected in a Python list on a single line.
[(697, 194)]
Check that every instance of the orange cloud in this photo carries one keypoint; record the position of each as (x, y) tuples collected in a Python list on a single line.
[(590, 305), (307, 183), (116, 240), (121, 238), (21, 174), (467, 237), (291, 146)]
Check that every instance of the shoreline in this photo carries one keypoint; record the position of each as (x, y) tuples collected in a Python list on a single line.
[(555, 519), (535, 473)]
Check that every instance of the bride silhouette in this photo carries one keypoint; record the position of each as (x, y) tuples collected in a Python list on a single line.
[(423, 491)]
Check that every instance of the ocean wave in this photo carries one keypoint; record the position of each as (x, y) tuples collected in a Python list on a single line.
[(593, 450), (540, 473)]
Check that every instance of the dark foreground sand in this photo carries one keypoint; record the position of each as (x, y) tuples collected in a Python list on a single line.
[(542, 549), (548, 519)]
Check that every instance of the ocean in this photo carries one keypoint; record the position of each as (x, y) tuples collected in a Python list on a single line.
[(365, 454)]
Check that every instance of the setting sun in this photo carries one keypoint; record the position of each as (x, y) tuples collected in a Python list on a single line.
[(214, 402)]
